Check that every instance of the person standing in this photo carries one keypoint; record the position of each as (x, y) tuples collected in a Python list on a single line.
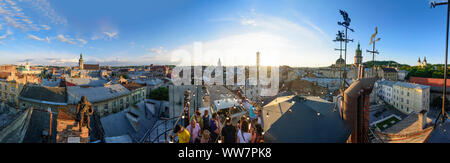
[(194, 131), (198, 118), (214, 127), (205, 137), (228, 131), (205, 119), (243, 134), (183, 135), (257, 136)]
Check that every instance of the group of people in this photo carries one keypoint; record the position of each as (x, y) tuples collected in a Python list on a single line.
[(203, 129)]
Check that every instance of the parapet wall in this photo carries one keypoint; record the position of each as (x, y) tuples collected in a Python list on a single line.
[(15, 131)]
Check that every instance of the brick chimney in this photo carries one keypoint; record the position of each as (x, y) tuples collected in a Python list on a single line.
[(422, 119)]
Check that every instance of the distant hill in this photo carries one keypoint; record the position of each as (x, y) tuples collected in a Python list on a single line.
[(384, 63)]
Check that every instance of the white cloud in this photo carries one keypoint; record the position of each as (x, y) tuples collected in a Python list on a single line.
[(82, 41), (4, 36), (14, 16), (65, 39), (105, 36), (110, 35), (38, 39), (45, 27), (159, 50), (44, 7)]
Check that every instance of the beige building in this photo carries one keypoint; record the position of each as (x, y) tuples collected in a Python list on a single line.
[(408, 97), (107, 99), (389, 74), (10, 87)]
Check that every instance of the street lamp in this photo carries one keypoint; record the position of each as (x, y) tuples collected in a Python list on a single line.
[(443, 112)]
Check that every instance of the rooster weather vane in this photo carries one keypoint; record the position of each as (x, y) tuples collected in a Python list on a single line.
[(347, 20)]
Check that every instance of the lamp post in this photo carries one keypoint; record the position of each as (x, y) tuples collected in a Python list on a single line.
[(443, 112)]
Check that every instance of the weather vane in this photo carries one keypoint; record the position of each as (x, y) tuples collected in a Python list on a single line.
[(347, 20), (373, 40), (346, 25), (443, 114)]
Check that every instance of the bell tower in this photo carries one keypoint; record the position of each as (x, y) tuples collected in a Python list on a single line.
[(358, 56), (80, 62)]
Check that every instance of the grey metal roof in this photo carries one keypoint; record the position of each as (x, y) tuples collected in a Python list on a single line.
[(411, 85), (93, 82), (118, 125), (312, 120), (387, 83), (39, 94), (441, 134), (95, 94)]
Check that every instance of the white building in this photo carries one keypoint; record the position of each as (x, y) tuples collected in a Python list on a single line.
[(402, 75), (408, 97), (385, 91)]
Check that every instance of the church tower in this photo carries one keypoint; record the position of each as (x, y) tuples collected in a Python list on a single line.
[(358, 56), (80, 62), (419, 62), (424, 61)]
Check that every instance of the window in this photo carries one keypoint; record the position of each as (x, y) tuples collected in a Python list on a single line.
[(12, 89), (105, 107), (128, 101), (121, 103), (115, 104), (408, 93), (96, 108)]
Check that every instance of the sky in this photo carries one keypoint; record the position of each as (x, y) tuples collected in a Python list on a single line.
[(182, 32)]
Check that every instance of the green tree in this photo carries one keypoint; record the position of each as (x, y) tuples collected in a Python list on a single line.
[(161, 93)]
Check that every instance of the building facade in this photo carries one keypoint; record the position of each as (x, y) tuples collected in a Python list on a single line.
[(107, 99), (409, 97), (385, 91), (11, 84), (389, 74)]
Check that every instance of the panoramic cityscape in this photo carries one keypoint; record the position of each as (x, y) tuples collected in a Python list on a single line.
[(224, 72)]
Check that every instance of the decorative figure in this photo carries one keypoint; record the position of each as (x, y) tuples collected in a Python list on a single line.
[(84, 111), (347, 20), (372, 39)]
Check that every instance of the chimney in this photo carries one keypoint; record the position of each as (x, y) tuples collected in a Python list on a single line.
[(360, 71), (422, 119)]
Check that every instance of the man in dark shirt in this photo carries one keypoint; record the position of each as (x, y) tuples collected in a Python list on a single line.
[(229, 132), (214, 127)]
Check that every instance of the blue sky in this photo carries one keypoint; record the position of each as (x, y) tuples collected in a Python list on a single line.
[(286, 32)]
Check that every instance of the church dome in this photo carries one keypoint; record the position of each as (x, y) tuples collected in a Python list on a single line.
[(340, 61)]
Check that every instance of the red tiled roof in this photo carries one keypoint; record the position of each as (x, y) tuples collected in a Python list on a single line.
[(91, 67), (429, 81), (69, 84), (4, 75)]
